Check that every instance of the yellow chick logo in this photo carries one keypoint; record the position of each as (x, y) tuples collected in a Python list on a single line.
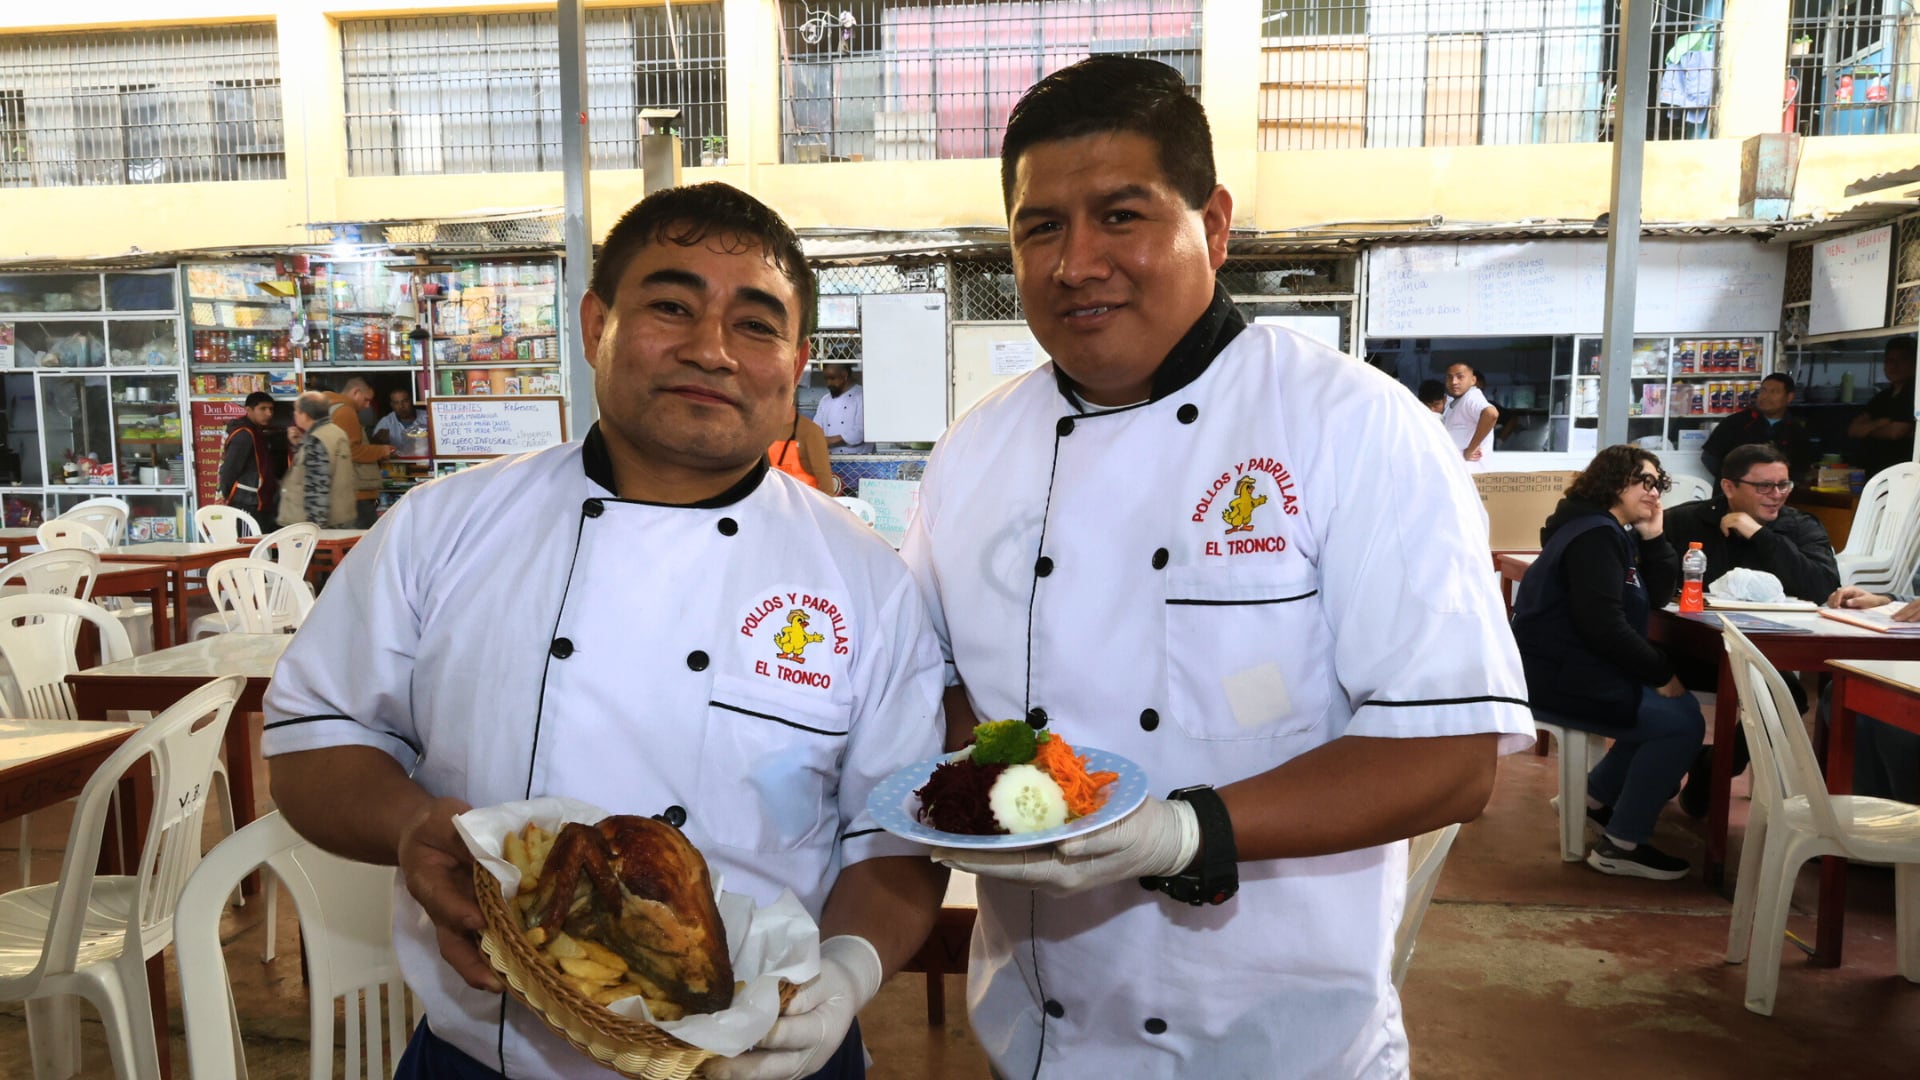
[(1239, 512), (793, 638)]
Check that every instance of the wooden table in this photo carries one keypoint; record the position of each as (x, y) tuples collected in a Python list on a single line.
[(1682, 636), (946, 947), (331, 548), (148, 579), (14, 542), (1888, 691), (1513, 566), (158, 679), (180, 560)]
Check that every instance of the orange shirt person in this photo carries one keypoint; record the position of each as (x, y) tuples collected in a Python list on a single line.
[(803, 454)]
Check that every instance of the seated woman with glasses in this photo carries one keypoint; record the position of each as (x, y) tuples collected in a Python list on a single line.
[(1580, 620)]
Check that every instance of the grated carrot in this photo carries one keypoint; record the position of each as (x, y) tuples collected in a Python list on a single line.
[(1069, 770)]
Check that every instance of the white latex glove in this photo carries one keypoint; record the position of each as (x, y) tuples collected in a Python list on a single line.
[(1157, 840), (815, 1022)]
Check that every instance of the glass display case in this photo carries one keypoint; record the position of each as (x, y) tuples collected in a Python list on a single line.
[(502, 318), (369, 311), (93, 397), (1681, 386)]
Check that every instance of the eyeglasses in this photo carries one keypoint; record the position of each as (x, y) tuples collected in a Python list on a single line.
[(1660, 482), (1778, 487)]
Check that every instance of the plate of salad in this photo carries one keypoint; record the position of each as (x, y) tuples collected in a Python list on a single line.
[(1014, 788)]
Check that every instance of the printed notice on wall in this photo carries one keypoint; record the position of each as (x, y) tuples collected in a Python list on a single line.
[(893, 503), (1012, 357), (481, 428)]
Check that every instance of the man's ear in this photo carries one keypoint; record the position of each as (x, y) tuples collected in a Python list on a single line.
[(1216, 217), (800, 358), (593, 323)]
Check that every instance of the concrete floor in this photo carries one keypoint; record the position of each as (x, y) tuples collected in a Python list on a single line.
[(1526, 967)]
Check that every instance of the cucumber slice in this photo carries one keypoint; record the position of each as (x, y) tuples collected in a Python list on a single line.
[(1025, 799)]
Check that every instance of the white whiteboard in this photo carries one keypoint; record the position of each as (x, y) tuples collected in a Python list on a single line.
[(487, 427), (974, 346), (903, 364), (1557, 287), (1850, 282)]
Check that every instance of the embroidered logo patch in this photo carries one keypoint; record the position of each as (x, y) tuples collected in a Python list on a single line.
[(1234, 499), (784, 626)]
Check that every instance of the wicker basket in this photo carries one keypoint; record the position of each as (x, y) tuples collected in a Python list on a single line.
[(630, 1047)]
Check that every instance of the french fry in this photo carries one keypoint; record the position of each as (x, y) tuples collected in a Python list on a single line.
[(599, 974), (607, 995), (602, 955), (537, 936), (515, 850), (565, 948)]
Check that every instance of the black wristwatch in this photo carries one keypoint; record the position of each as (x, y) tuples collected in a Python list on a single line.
[(1214, 875)]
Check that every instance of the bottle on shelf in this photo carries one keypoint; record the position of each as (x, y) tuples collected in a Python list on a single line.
[(1693, 579)]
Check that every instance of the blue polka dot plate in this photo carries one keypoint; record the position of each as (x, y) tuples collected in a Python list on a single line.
[(896, 808)]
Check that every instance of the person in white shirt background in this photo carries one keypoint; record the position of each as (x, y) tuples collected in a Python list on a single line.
[(842, 413), (1469, 417), (598, 620), (1230, 555), (404, 428)]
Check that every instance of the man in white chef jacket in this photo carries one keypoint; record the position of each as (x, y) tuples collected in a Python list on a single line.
[(842, 412), (1236, 558), (599, 620)]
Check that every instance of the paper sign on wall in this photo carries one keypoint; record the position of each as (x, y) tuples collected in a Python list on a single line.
[(1850, 282), (893, 503), (1012, 357), (483, 428)]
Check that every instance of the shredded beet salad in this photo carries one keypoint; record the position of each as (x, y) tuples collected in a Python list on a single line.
[(954, 798)]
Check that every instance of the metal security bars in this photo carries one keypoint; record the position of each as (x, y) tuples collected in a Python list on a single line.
[(481, 93), (1853, 68), (903, 80), (161, 106), (1351, 73)]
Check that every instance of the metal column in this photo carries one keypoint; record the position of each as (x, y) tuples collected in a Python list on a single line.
[(577, 218), (1623, 229)]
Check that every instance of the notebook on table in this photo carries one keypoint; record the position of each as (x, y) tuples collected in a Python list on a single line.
[(1879, 618), (1747, 623)]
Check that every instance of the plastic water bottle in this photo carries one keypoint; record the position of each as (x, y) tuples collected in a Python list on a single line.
[(1693, 579)]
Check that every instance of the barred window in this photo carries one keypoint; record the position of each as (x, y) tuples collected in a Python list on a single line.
[(162, 106), (1350, 73), (1853, 68), (903, 80), (481, 93)]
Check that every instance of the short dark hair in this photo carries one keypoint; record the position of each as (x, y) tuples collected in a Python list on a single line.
[(258, 397), (1102, 95), (1431, 391), (1609, 473), (1785, 380), (1741, 458), (1902, 345), (687, 216)]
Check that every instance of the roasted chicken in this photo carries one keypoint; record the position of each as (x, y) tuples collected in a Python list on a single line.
[(636, 886)]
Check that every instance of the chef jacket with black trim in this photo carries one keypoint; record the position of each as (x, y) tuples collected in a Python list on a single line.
[(761, 660), (1279, 548)]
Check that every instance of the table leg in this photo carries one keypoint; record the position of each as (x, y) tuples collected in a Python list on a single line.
[(1726, 725), (179, 604), (1830, 930), (136, 818), (239, 744), (162, 617)]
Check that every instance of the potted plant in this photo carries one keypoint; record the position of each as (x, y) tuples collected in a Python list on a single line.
[(713, 150), (1801, 46)]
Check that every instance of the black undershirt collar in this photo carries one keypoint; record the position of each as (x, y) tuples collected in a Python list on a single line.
[(599, 467), (1191, 355)]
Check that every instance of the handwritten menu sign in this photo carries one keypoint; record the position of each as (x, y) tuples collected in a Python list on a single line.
[(1850, 282), (482, 428)]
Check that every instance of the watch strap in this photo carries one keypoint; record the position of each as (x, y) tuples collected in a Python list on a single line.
[(1214, 875)]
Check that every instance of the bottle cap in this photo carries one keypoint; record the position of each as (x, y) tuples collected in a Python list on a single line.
[(1694, 546)]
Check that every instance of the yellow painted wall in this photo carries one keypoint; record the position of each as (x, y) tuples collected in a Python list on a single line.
[(1686, 181)]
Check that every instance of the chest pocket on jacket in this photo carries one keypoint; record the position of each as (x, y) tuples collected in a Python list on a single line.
[(1248, 654), (769, 766)]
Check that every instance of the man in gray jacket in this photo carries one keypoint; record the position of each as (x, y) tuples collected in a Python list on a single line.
[(319, 486)]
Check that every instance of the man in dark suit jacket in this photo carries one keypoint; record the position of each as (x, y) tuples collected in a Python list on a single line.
[(1766, 422)]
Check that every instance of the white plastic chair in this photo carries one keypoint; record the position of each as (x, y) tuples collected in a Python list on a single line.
[(861, 508), (1793, 819), (346, 923), (107, 514), (290, 548), (62, 533), (1883, 546), (90, 936), (223, 524), (1578, 752), (56, 572), (1425, 855), (1687, 489), (254, 597)]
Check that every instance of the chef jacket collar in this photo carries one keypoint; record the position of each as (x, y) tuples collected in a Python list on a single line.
[(1208, 337), (599, 466)]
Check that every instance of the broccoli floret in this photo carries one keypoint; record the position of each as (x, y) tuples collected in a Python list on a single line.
[(1003, 742)]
